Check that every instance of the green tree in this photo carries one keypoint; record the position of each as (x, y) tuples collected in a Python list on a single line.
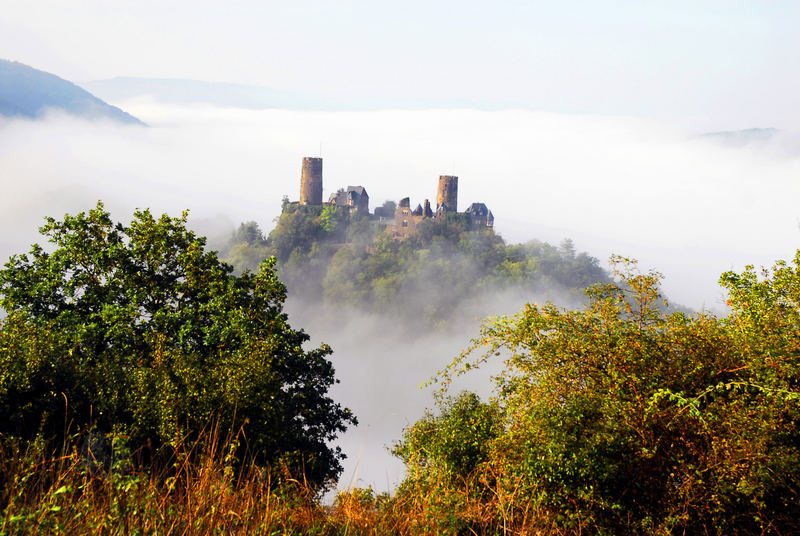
[(136, 329), (250, 234), (451, 445), (620, 418)]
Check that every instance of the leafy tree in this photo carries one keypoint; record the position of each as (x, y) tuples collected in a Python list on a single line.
[(389, 207), (620, 418), (136, 329), (249, 233), (247, 248), (452, 444)]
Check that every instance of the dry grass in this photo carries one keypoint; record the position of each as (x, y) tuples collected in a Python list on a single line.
[(204, 490)]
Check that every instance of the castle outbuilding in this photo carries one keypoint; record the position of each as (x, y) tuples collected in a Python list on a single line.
[(355, 197), (480, 215)]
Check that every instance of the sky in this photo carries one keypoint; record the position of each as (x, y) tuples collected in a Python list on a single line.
[(595, 134), (727, 64)]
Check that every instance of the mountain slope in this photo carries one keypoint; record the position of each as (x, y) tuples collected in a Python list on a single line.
[(28, 92)]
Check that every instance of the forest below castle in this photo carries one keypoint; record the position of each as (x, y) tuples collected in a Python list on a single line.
[(326, 255)]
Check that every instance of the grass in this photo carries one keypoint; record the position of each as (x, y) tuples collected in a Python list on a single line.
[(95, 486), (201, 490)]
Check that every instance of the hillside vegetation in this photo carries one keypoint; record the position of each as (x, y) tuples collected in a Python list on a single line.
[(129, 355), (326, 255)]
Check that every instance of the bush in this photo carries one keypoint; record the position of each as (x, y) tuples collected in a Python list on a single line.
[(622, 419), (137, 330)]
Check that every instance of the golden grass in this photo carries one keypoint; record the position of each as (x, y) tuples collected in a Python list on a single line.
[(202, 490)]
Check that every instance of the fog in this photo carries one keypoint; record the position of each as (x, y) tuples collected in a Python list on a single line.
[(690, 206)]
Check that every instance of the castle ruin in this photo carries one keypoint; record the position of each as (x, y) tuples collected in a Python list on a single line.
[(447, 194), (311, 181), (404, 220)]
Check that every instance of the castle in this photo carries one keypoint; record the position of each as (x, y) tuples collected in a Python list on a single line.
[(404, 221)]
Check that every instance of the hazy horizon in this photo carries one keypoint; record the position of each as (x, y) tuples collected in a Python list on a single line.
[(724, 63), (688, 206)]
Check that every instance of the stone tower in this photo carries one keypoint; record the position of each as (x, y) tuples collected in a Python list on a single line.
[(447, 194), (311, 181)]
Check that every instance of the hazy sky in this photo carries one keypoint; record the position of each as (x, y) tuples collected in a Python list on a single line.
[(729, 64)]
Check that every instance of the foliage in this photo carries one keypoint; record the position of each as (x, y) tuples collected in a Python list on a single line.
[(622, 419), (248, 247), (453, 443), (135, 329), (200, 489), (323, 251), (249, 233)]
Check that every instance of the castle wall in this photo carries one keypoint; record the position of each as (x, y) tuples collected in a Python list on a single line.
[(405, 222), (311, 181), (447, 193)]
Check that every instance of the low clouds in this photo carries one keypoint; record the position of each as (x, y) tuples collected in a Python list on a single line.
[(687, 205)]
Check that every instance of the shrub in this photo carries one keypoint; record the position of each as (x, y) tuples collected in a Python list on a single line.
[(135, 329)]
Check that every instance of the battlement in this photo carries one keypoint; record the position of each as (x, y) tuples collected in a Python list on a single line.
[(405, 219)]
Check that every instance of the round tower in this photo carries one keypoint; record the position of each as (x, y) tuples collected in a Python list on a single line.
[(447, 194), (311, 181)]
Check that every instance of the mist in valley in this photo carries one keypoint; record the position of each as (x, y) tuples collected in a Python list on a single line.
[(688, 205)]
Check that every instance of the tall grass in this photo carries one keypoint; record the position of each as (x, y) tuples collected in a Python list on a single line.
[(98, 487), (202, 489)]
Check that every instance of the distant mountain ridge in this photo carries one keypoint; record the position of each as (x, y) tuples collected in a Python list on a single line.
[(742, 137), (28, 92)]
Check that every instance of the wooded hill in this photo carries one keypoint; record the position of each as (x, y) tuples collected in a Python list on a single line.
[(327, 255), (28, 92)]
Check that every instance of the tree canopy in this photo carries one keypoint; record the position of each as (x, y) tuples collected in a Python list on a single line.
[(619, 418), (325, 255), (136, 329)]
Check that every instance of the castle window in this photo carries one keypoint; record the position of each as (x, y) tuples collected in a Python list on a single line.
[(405, 223)]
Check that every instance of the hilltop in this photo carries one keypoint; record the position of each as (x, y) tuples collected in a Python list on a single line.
[(424, 266), (29, 92)]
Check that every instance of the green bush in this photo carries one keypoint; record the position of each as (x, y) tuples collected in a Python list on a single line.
[(622, 419), (452, 444), (135, 329)]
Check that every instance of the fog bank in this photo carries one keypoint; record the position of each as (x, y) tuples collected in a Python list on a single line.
[(687, 205), (690, 206)]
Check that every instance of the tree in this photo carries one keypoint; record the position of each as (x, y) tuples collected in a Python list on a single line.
[(621, 418), (250, 234), (451, 445), (136, 329)]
